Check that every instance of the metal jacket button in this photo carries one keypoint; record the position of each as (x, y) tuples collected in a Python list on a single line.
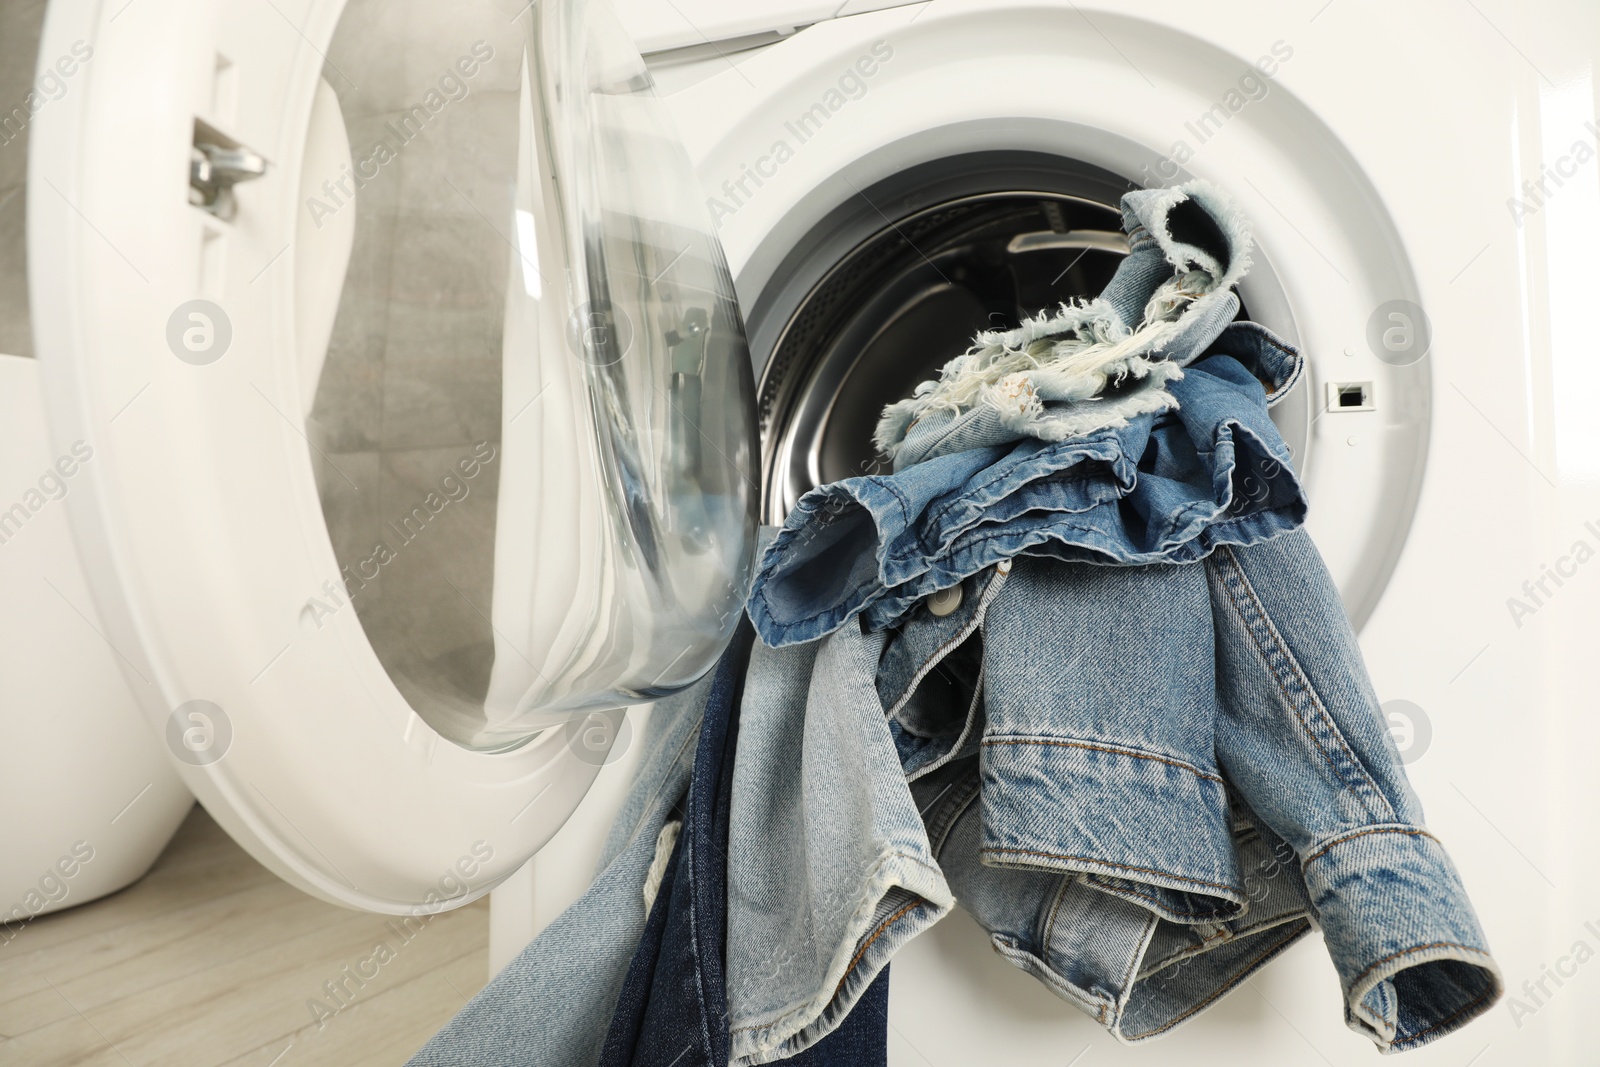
[(945, 601)]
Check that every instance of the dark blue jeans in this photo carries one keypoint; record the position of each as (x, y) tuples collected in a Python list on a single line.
[(673, 1009)]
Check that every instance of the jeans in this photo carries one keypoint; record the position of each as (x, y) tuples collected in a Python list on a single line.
[(1214, 472), (551, 1005), (829, 866), (673, 1009), (1086, 416), (1093, 365)]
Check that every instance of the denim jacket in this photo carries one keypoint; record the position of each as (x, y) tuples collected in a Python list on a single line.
[(1126, 721), (1134, 972)]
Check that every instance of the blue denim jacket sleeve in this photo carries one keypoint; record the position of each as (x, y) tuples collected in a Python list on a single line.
[(1131, 722), (1137, 974), (1100, 944), (1301, 734)]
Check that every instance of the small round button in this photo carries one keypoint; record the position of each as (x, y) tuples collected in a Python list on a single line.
[(945, 601)]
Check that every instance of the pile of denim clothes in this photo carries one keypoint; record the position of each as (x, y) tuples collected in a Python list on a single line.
[(1073, 665)]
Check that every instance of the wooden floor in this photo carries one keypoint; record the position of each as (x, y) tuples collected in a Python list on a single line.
[(211, 960)]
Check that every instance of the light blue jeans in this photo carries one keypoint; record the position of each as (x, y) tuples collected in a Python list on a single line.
[(552, 1005), (1080, 435), (1094, 365), (829, 866)]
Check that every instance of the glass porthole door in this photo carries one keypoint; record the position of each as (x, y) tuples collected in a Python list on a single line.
[(420, 406)]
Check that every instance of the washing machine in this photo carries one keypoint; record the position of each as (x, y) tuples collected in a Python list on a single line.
[(435, 400)]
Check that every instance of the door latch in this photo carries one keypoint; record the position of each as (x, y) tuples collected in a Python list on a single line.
[(215, 168)]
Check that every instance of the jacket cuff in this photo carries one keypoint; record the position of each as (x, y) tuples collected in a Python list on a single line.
[(1410, 955)]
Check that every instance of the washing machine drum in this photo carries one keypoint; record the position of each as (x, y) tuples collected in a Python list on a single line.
[(417, 408)]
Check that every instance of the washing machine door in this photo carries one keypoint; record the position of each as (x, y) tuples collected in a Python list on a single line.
[(417, 406)]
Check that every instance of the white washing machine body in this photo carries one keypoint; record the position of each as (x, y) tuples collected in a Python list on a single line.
[(1451, 503)]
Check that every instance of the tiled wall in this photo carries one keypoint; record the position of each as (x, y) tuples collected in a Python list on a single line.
[(20, 24), (412, 378)]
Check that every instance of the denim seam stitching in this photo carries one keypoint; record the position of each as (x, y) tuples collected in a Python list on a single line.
[(1282, 348), (883, 927), (1279, 661), (966, 730), (1054, 980), (1050, 916), (920, 901), (1230, 425), (1000, 474), (979, 541), (703, 1030), (1328, 846), (1130, 975), (976, 543), (1296, 931), (967, 792), (1239, 520), (1117, 890), (899, 497), (1197, 772), (997, 850)]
